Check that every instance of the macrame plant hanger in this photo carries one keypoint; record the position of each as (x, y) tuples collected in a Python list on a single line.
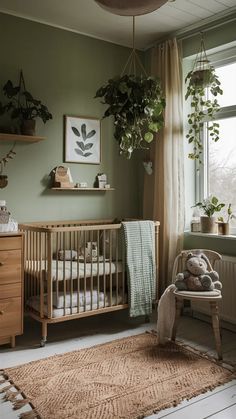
[(201, 61), (133, 61), (132, 64)]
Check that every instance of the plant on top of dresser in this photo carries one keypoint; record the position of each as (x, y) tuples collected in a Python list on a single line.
[(23, 106), (137, 104)]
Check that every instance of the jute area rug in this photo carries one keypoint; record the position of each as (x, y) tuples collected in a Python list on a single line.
[(126, 379)]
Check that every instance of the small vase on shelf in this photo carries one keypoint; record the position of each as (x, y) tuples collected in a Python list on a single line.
[(223, 228)]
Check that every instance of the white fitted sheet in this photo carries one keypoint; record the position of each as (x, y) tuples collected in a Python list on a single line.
[(71, 270), (34, 303)]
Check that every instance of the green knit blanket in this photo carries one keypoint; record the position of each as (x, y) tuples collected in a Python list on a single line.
[(139, 237)]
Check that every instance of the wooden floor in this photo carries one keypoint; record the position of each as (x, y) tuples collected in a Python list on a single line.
[(218, 404)]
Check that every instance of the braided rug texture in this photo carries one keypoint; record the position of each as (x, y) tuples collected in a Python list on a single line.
[(124, 379)]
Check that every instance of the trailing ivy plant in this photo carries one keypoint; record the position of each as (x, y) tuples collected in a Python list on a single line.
[(202, 107), (137, 104)]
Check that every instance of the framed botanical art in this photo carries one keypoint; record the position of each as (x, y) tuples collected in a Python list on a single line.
[(82, 140)]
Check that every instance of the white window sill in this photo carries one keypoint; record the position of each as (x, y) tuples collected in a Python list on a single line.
[(212, 236)]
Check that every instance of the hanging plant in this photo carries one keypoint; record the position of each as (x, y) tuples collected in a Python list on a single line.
[(202, 107), (137, 104), (23, 107)]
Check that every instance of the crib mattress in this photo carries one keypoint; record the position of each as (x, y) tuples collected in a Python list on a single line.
[(101, 302), (71, 270)]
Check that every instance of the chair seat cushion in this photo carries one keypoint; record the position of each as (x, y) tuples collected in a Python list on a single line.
[(200, 295)]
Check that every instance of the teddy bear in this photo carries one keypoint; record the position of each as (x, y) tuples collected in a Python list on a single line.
[(196, 277)]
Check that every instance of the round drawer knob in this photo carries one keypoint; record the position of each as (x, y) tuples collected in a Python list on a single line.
[(1, 263), (1, 312)]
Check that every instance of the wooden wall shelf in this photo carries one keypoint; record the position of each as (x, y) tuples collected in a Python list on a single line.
[(21, 138), (84, 189)]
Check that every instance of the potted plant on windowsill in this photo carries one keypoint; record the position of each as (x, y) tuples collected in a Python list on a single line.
[(137, 104), (208, 221), (223, 226), (23, 106)]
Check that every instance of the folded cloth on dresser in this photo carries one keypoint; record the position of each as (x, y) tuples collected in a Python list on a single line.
[(166, 314), (140, 261)]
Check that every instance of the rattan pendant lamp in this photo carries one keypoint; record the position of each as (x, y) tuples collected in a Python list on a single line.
[(131, 7)]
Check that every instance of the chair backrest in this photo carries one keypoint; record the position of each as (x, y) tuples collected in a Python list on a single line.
[(180, 260)]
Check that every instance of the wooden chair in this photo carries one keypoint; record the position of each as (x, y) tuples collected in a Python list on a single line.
[(211, 297)]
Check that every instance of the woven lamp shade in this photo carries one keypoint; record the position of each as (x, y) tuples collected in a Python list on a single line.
[(130, 7)]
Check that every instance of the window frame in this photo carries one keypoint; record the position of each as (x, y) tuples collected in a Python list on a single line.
[(221, 59)]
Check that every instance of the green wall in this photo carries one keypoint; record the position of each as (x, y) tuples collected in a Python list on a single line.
[(64, 70)]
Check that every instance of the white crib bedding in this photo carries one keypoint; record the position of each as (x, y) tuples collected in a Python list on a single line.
[(98, 300), (68, 269)]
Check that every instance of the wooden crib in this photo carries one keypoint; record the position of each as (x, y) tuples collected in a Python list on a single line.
[(74, 269)]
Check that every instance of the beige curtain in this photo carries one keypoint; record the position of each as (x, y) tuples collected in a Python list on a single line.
[(164, 189)]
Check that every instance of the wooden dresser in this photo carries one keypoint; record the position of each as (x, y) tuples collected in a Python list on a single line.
[(11, 287)]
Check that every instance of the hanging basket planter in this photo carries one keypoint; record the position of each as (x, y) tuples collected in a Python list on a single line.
[(203, 108), (136, 102)]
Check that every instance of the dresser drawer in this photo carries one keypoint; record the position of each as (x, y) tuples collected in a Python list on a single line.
[(11, 243), (10, 317), (10, 290), (10, 266)]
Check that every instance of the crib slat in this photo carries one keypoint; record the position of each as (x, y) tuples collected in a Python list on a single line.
[(157, 261), (57, 266), (71, 276), (104, 266), (85, 285), (49, 273), (91, 280), (78, 278), (41, 236), (123, 275), (116, 266), (110, 260), (98, 266), (64, 274)]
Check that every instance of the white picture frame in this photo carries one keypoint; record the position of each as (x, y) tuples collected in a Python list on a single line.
[(82, 140)]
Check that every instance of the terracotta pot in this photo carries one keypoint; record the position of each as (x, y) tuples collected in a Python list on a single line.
[(28, 127), (223, 229), (208, 225)]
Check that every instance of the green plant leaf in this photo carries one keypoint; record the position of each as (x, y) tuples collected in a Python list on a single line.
[(75, 131), (79, 152), (91, 134), (148, 137), (83, 131), (214, 200), (88, 146), (80, 145)]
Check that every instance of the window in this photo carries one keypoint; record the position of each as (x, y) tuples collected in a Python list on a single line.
[(218, 173)]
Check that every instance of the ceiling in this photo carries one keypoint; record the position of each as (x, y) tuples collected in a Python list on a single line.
[(86, 17)]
